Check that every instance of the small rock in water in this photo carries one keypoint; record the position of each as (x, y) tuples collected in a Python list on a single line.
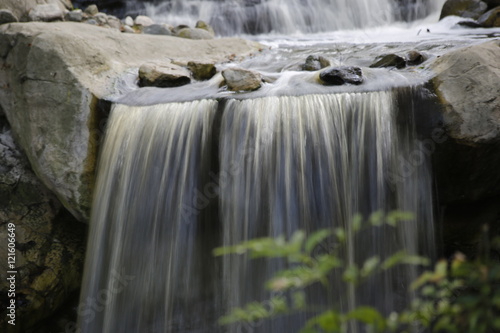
[(75, 15), (91, 10), (194, 33), (6, 16), (157, 29), (163, 76), (129, 21), (390, 60), (315, 63), (143, 20), (46, 13), (341, 75), (239, 79), (202, 71), (414, 58), (490, 19), (205, 26)]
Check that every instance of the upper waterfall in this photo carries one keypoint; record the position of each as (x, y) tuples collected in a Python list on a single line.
[(232, 17)]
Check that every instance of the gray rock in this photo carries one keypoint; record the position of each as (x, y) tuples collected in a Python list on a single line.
[(239, 79), (92, 22), (157, 29), (52, 90), (143, 20), (464, 8), (91, 10), (50, 243), (179, 28), (205, 26), (46, 13), (163, 75), (21, 8), (195, 33), (6, 16), (390, 60), (114, 22), (414, 58), (202, 71), (490, 19), (74, 15), (129, 21), (342, 75), (315, 63), (101, 18)]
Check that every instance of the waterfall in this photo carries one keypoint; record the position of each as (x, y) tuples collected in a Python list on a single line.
[(176, 180), (233, 17)]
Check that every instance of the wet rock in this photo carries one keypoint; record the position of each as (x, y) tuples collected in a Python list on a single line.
[(129, 21), (179, 28), (239, 79), (163, 75), (74, 15), (469, 24), (157, 29), (414, 58), (143, 20), (128, 29), (194, 33), (315, 63), (390, 60), (202, 71), (337, 76), (6, 16), (464, 8), (490, 19), (205, 26), (91, 10), (46, 13)]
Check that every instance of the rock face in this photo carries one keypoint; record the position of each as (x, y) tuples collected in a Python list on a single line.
[(46, 13), (21, 8), (53, 79), (49, 241), (239, 79), (390, 60), (163, 75), (464, 8), (341, 75), (467, 83), (490, 19)]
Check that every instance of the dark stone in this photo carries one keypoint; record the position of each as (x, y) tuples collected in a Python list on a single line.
[(469, 24), (414, 58), (315, 63), (390, 60), (157, 29), (6, 16), (464, 8), (202, 71), (490, 19), (341, 75)]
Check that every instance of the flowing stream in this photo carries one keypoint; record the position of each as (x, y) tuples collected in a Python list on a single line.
[(182, 173)]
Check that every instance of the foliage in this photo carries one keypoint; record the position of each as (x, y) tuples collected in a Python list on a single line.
[(308, 268)]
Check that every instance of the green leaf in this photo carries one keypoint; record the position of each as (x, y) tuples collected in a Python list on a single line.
[(369, 266), (340, 234), (394, 217), (402, 257), (357, 222), (316, 238), (368, 315), (377, 218), (351, 274), (329, 322)]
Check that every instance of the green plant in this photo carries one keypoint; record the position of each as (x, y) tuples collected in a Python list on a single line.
[(307, 269)]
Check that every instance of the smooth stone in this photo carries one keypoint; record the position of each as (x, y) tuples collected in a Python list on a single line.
[(74, 15), (114, 22), (490, 19), (194, 33), (46, 13), (202, 71), (129, 21), (128, 29), (205, 26), (341, 75), (239, 79), (91, 10), (6, 16), (390, 60), (101, 18), (464, 8), (157, 29), (315, 63), (414, 58), (163, 75), (143, 20)]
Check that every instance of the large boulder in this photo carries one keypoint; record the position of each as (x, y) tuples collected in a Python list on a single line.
[(49, 242), (337, 76), (163, 75), (467, 84), (54, 77), (464, 8), (22, 8), (490, 19), (240, 79)]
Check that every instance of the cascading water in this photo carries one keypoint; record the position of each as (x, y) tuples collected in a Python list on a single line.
[(233, 17), (176, 180)]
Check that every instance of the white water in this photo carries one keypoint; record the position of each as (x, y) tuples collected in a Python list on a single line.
[(234, 17)]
